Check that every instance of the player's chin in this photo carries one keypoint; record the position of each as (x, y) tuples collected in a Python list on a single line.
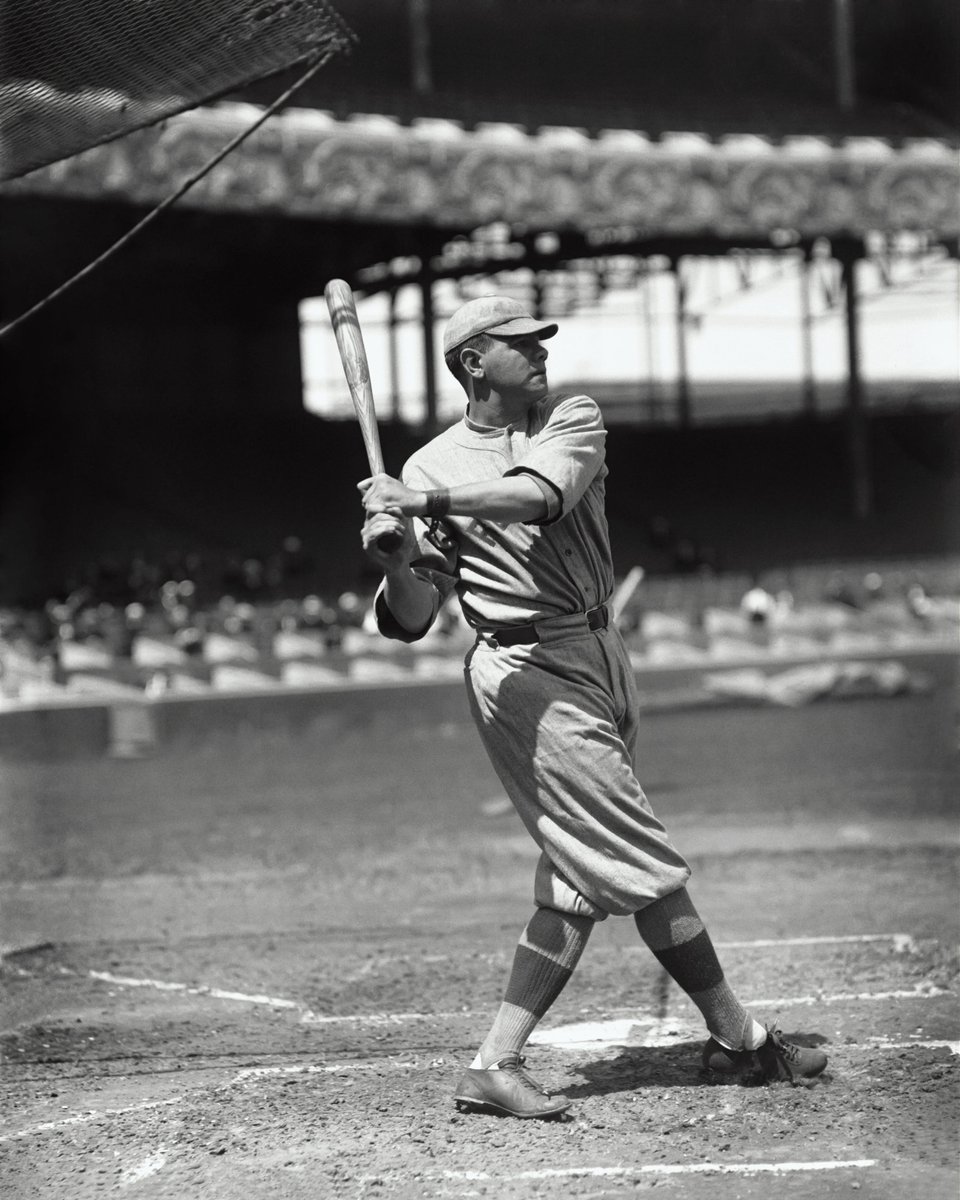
[(538, 385)]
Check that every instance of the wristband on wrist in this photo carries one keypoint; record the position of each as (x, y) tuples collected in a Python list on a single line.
[(438, 502)]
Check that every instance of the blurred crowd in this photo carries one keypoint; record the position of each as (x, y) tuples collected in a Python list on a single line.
[(762, 607), (135, 620), (183, 597), (143, 621)]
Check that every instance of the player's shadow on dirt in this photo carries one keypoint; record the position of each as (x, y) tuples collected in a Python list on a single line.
[(658, 1067)]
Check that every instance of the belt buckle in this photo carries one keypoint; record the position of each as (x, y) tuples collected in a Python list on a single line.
[(601, 617)]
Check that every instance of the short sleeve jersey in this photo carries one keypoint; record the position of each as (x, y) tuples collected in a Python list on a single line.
[(513, 573)]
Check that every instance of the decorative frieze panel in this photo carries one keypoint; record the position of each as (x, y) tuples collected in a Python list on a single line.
[(372, 169)]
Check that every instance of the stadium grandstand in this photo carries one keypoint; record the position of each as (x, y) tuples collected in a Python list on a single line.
[(699, 175)]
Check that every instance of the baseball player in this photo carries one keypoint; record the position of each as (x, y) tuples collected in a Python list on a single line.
[(507, 508)]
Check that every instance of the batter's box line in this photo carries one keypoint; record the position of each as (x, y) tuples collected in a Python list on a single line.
[(86, 1118), (278, 1003), (558, 1173), (630, 1034), (309, 1017), (248, 1074), (903, 943)]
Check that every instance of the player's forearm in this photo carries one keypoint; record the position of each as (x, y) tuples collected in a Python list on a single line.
[(409, 598), (506, 500)]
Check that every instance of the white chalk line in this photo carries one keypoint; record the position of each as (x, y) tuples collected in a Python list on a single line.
[(87, 1118), (308, 1016), (331, 1069), (883, 1043), (903, 943), (242, 1077), (672, 1169), (593, 1035), (920, 992), (148, 1166), (707, 1168), (162, 985)]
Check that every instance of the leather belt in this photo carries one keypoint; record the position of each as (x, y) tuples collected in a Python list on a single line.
[(524, 635)]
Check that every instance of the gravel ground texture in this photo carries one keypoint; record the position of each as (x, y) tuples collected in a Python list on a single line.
[(256, 967)]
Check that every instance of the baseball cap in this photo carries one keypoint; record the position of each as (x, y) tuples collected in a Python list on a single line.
[(492, 314)]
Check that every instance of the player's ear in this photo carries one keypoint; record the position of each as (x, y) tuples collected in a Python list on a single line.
[(471, 361)]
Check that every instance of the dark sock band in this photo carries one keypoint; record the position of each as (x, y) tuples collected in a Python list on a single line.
[(693, 965), (535, 981)]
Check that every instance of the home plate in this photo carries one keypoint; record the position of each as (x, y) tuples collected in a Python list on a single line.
[(587, 1035)]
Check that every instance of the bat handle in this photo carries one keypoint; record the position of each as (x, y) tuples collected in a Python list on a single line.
[(387, 542)]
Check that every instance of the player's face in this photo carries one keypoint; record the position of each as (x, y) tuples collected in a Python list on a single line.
[(515, 367)]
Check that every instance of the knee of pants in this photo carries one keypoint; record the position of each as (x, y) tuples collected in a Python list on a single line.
[(551, 890)]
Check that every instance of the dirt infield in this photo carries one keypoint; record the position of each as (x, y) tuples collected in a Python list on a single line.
[(255, 968)]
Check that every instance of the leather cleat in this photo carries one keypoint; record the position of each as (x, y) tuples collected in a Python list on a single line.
[(507, 1089), (776, 1060)]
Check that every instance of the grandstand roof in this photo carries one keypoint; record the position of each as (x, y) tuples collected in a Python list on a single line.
[(770, 67)]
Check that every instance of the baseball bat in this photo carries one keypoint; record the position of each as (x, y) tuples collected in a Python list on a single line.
[(353, 358)]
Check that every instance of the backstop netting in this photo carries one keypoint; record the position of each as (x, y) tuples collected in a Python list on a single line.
[(75, 73)]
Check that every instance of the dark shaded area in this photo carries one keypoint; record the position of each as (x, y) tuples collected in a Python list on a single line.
[(88, 488), (83, 73), (157, 410), (711, 65)]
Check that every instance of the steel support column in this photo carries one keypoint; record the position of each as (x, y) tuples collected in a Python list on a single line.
[(429, 362), (845, 83), (683, 379), (649, 342), (421, 69), (858, 432), (806, 339)]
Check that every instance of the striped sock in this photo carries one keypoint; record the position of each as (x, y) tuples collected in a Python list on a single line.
[(672, 928), (548, 950)]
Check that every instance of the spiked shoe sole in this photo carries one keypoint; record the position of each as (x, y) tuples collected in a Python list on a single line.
[(467, 1104), (509, 1091)]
